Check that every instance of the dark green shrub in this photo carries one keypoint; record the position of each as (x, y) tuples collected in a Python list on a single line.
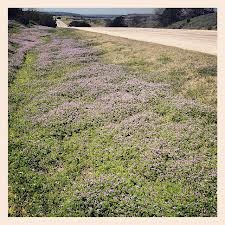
[(79, 23), (14, 12), (118, 22), (31, 17)]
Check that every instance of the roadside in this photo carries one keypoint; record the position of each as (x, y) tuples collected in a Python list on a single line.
[(106, 126), (197, 40)]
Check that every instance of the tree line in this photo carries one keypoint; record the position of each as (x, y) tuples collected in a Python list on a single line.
[(31, 17), (166, 16)]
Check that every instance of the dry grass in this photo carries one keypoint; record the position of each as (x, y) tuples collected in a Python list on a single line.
[(181, 68)]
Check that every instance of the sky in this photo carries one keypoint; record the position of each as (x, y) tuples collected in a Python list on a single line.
[(96, 11)]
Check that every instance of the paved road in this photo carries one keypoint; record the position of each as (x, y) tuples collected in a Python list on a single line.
[(61, 24), (197, 40)]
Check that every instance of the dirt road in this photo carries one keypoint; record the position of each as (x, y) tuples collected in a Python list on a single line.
[(196, 40)]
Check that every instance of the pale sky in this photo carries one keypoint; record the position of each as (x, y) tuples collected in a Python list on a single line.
[(102, 11)]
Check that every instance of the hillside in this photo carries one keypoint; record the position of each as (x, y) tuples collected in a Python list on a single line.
[(170, 18), (64, 14), (93, 21), (205, 19), (142, 20), (107, 126), (204, 22)]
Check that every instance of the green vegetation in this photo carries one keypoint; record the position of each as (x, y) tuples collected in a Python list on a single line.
[(182, 69), (14, 28), (205, 22), (106, 126), (72, 21), (79, 23), (179, 18), (172, 15), (46, 39), (31, 17)]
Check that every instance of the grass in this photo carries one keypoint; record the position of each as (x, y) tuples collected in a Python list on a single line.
[(205, 22), (46, 39), (124, 129), (14, 27), (180, 68)]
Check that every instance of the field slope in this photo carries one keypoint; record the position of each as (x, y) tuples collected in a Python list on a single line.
[(106, 126), (204, 22), (196, 40)]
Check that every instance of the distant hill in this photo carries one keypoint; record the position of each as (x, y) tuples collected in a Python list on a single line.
[(177, 18), (180, 18), (141, 20), (136, 20), (204, 22), (173, 15), (99, 16), (63, 14)]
